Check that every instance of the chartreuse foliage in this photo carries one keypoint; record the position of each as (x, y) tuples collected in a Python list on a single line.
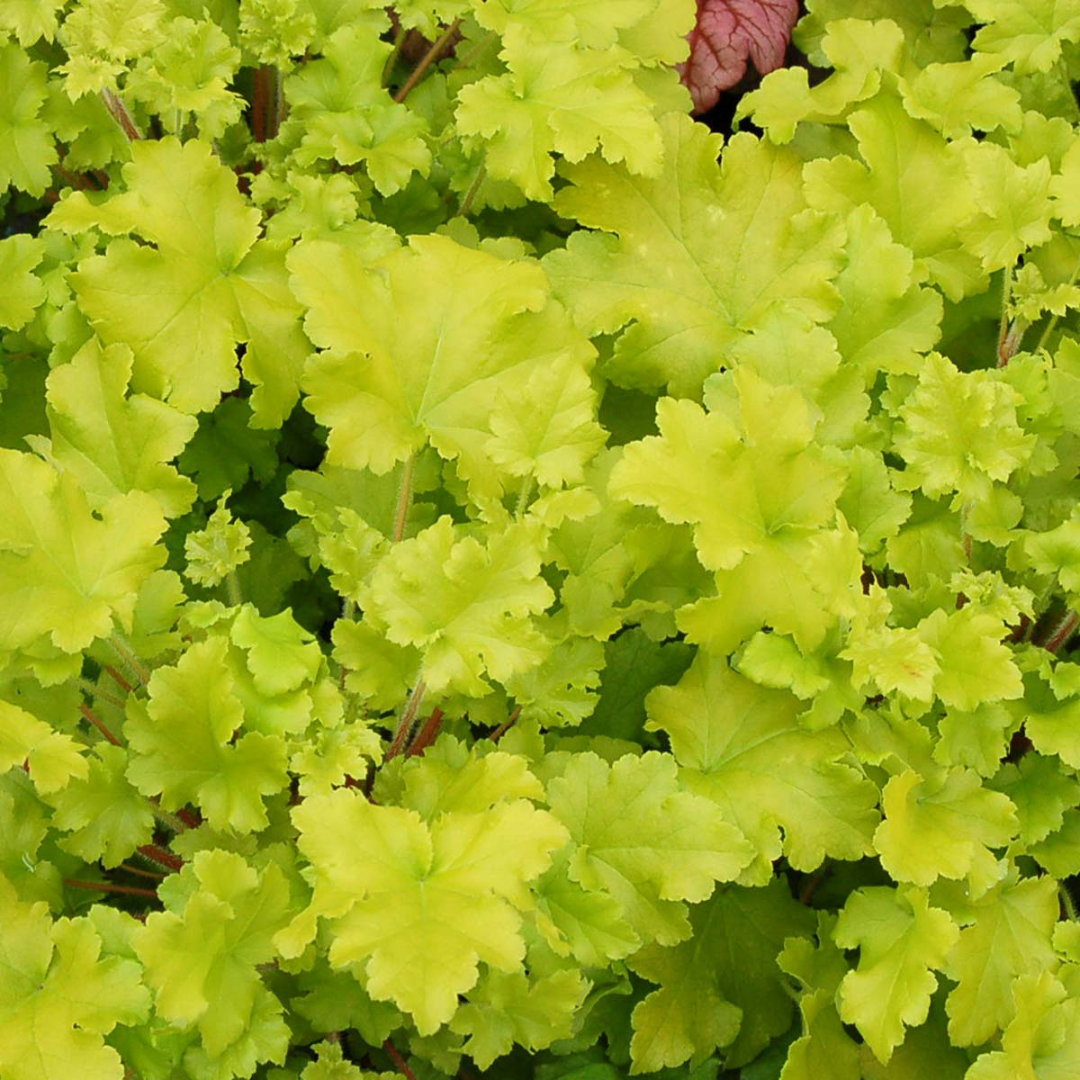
[(500, 581)]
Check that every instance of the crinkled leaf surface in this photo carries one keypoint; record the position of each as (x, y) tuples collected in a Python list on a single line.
[(725, 259), (741, 745), (643, 840), (66, 573), (201, 283), (901, 940), (420, 906)]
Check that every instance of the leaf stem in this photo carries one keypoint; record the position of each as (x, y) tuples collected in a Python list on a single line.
[(118, 679), (123, 649), (232, 584), (523, 496), (1062, 631), (427, 60), (141, 872), (470, 195), (1067, 901), (398, 1060), (158, 855), (105, 886), (92, 690), (503, 728), (96, 721), (427, 734), (408, 717), (392, 59), (119, 112), (401, 514)]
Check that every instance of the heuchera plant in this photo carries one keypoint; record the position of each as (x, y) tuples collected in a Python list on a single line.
[(496, 582)]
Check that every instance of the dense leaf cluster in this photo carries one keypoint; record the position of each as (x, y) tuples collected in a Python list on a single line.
[(497, 581)]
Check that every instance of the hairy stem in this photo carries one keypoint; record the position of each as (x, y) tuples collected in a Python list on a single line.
[(398, 1060), (1062, 631), (401, 514), (134, 665), (119, 112), (96, 721), (523, 496), (105, 886), (160, 857), (408, 718), (91, 689), (427, 734), (392, 59), (1067, 902), (470, 195), (141, 872), (427, 60), (503, 728)]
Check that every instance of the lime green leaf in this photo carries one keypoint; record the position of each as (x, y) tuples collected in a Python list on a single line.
[(721, 988), (1041, 793), (281, 655), (558, 99), (112, 442), (644, 840), (958, 97), (392, 381), (885, 134), (53, 758), (201, 955), (1041, 1041), (562, 690), (202, 283), (743, 487), (466, 605), (30, 149), (1009, 936), (1013, 202), (976, 666), (943, 827), (887, 321), (106, 817), (29, 20), (546, 426), (1026, 33), (379, 672), (509, 1008), (340, 110), (574, 921), (189, 74), (216, 551), (726, 260), (60, 997), (959, 431), (824, 1048), (23, 289), (102, 35), (183, 748), (66, 573), (274, 31), (420, 906), (742, 746), (901, 939), (858, 51)]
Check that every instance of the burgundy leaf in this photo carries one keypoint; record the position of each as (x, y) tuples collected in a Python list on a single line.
[(728, 32)]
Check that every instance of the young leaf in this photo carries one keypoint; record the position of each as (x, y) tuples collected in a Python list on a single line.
[(184, 748), (420, 906), (726, 259), (201, 956), (741, 745), (643, 840), (201, 283), (60, 996), (66, 573), (727, 35), (901, 940)]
